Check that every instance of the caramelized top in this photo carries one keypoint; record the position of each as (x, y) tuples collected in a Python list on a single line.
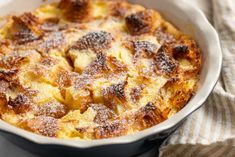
[(76, 10), (141, 22), (93, 69), (96, 41)]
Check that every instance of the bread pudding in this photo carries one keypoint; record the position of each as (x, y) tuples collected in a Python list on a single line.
[(93, 69)]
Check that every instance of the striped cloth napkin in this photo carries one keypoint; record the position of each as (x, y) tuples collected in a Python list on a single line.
[(210, 131)]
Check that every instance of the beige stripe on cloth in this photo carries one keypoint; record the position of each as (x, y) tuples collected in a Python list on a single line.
[(210, 131)]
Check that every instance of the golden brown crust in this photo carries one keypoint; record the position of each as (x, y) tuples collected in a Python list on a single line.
[(54, 40), (163, 36), (26, 28), (180, 95), (116, 90), (43, 125), (104, 114), (140, 22), (164, 63), (13, 60), (142, 49), (148, 116), (52, 109), (136, 93), (99, 65), (20, 104), (119, 8), (114, 94), (76, 10), (96, 41), (113, 129), (116, 65)]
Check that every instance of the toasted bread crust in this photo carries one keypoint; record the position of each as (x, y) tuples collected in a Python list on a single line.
[(76, 10), (140, 22)]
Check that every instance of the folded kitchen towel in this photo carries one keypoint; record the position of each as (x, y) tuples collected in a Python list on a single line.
[(210, 131)]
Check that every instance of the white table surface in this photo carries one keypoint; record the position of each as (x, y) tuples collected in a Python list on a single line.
[(8, 149)]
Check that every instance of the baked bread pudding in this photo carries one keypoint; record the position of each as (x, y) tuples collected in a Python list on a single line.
[(93, 69)]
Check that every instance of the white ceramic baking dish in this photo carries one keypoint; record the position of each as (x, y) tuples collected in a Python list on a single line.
[(188, 19)]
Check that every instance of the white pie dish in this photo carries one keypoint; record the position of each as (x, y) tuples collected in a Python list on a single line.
[(189, 20)]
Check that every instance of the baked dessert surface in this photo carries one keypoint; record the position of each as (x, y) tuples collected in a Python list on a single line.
[(93, 69)]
